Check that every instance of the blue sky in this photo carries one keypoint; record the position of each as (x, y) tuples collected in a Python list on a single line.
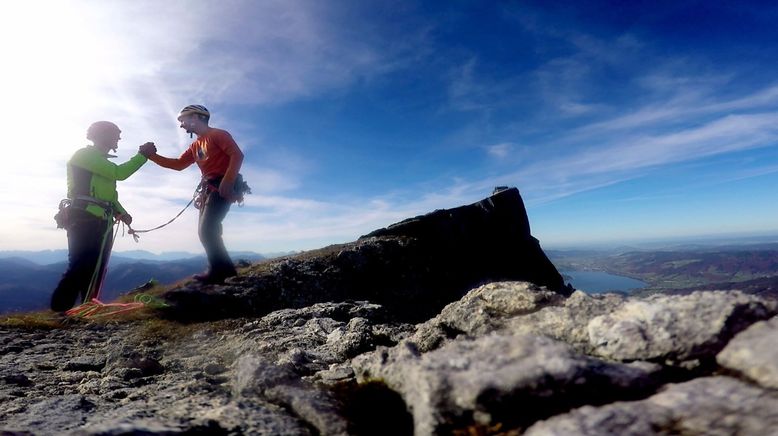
[(618, 121)]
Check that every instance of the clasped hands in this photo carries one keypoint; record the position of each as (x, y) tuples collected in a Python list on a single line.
[(148, 149), (225, 188)]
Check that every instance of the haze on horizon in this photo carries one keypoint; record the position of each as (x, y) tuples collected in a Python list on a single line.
[(617, 121)]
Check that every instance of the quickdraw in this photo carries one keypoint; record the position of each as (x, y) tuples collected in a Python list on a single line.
[(204, 189)]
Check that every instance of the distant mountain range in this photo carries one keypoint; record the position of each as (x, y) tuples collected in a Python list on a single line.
[(46, 257), (28, 278)]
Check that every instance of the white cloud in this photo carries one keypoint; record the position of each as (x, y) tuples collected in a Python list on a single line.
[(500, 151)]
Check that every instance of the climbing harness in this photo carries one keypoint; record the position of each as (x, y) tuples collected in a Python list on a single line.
[(240, 188), (63, 217)]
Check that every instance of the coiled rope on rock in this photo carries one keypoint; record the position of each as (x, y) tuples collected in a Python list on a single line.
[(97, 309)]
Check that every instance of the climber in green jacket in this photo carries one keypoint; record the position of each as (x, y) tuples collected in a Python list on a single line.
[(90, 210)]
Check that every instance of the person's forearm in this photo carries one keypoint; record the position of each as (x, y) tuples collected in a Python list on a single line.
[(166, 162), (236, 160)]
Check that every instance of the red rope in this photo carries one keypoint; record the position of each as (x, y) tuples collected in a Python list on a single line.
[(96, 308)]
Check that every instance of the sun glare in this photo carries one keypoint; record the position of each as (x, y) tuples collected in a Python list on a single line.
[(53, 74)]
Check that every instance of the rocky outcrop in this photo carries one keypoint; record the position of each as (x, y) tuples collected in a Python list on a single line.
[(408, 357), (706, 406), (483, 242), (348, 368), (483, 310), (496, 342), (754, 354), (674, 329), (413, 268), (243, 376), (500, 378)]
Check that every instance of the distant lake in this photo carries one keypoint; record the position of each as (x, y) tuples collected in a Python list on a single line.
[(596, 282)]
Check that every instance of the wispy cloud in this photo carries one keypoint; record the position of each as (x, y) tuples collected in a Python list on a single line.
[(664, 109), (685, 106), (610, 160), (500, 151), (577, 113), (470, 88)]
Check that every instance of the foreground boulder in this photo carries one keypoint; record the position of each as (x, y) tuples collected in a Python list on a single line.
[(510, 353), (754, 353), (505, 379), (684, 330), (706, 406), (413, 268), (483, 310)]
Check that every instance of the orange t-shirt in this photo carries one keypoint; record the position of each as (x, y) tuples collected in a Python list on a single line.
[(211, 152)]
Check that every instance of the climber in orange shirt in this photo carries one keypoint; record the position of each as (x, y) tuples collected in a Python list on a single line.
[(219, 159)]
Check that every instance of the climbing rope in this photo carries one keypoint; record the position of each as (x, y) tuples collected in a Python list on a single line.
[(198, 198), (134, 232), (98, 275), (97, 309)]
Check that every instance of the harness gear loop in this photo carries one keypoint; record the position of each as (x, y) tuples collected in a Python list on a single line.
[(240, 189), (63, 216)]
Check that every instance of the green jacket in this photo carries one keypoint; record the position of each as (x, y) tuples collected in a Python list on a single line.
[(91, 174)]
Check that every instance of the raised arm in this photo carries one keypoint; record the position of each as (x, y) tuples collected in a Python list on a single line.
[(174, 164), (99, 165)]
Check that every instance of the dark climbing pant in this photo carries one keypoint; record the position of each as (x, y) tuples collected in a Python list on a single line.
[(85, 239), (212, 214)]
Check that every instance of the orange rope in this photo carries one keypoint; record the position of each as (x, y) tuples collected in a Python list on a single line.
[(96, 308)]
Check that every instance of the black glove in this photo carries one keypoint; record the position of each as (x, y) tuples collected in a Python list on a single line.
[(125, 218), (148, 149)]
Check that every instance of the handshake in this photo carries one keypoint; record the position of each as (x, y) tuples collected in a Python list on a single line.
[(148, 149)]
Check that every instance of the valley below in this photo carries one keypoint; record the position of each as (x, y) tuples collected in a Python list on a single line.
[(751, 268)]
